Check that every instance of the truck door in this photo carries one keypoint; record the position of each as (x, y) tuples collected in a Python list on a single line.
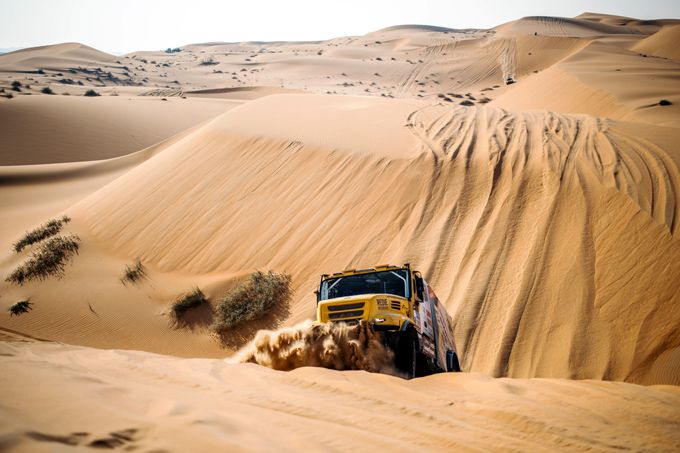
[(443, 327), (425, 319)]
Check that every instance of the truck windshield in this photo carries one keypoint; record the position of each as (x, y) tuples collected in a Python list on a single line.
[(394, 282)]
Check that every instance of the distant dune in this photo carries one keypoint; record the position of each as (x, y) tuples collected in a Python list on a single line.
[(54, 56), (663, 43), (82, 129)]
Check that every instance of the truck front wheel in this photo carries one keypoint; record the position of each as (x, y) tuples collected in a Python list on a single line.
[(407, 354)]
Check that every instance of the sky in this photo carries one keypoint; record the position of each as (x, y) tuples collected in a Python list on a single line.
[(127, 25)]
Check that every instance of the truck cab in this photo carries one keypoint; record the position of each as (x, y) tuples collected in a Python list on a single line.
[(399, 302)]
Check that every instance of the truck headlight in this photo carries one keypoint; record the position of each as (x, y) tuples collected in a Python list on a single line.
[(379, 320)]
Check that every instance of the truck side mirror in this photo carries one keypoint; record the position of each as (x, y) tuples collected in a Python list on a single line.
[(316, 293)]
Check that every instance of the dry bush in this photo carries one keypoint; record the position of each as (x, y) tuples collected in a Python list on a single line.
[(21, 307), (252, 299), (91, 93), (187, 302), (47, 90), (134, 273), (208, 61), (44, 231), (48, 260)]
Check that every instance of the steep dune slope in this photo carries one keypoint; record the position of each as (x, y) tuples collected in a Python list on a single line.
[(534, 228), (663, 43), (547, 248)]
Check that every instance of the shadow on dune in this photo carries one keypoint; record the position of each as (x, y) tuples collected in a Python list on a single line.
[(196, 319), (240, 335)]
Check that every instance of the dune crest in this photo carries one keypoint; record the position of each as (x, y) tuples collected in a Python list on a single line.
[(663, 43)]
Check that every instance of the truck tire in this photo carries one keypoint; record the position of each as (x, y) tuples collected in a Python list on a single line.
[(407, 355), (452, 363)]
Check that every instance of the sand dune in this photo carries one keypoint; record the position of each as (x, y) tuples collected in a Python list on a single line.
[(602, 81), (610, 19), (663, 43), (44, 130), (152, 402), (564, 26), (53, 57), (520, 221), (592, 58), (530, 171)]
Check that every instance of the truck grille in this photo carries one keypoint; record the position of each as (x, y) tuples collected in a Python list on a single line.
[(342, 312), (347, 314), (345, 307), (395, 305)]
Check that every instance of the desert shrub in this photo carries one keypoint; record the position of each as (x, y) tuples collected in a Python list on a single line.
[(467, 103), (44, 231), (665, 102), (252, 299), (91, 93), (16, 85), (48, 260), (209, 61), (134, 273), (47, 90), (187, 302), (21, 307)]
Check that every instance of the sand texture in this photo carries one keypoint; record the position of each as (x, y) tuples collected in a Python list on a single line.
[(151, 402)]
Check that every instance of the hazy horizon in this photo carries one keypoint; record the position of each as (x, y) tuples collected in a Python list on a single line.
[(125, 26)]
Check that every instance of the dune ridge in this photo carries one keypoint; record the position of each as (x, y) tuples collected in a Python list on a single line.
[(60, 55), (460, 200), (661, 43)]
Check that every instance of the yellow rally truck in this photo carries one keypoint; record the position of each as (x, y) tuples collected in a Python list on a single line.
[(399, 302)]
